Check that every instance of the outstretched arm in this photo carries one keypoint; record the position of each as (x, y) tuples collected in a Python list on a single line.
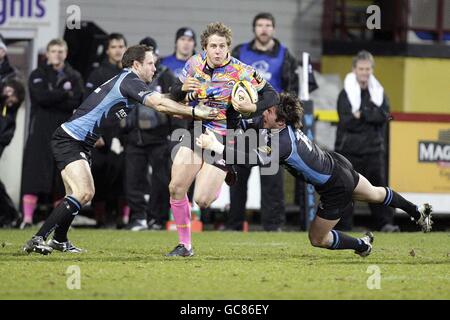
[(158, 102), (208, 141)]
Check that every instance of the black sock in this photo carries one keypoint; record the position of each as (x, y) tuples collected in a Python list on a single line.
[(341, 241), (62, 215), (394, 200)]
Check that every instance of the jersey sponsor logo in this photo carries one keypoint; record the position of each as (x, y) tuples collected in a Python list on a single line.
[(143, 93), (121, 114)]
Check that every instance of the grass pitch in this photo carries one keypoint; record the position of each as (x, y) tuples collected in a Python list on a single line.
[(227, 265)]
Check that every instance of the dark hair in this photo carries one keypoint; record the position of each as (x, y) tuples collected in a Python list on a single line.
[(150, 42), (264, 15), (115, 36), (135, 53), (19, 89), (290, 109)]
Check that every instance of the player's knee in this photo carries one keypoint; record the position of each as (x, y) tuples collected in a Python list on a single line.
[(176, 191), (317, 241), (381, 194), (376, 195), (203, 201), (85, 196)]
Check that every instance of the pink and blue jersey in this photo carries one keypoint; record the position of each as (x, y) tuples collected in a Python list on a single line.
[(217, 85)]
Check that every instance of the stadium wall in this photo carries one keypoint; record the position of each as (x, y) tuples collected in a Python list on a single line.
[(412, 84), (298, 23)]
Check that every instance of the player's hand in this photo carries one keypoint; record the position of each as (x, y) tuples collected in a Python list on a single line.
[(191, 84), (244, 106), (205, 113), (209, 141)]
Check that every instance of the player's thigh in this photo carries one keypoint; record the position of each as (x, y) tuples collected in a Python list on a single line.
[(365, 191), (209, 181), (320, 228), (185, 167), (78, 176)]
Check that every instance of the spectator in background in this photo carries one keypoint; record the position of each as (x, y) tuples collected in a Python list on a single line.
[(6, 70), (148, 144), (56, 90), (107, 157), (185, 42), (12, 94), (275, 64), (363, 114), (115, 48)]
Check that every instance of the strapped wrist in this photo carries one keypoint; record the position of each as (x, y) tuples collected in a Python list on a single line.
[(190, 96)]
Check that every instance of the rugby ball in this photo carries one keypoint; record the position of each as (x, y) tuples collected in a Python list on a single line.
[(244, 89)]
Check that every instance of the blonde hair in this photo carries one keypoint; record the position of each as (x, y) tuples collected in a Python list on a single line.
[(217, 28), (57, 42)]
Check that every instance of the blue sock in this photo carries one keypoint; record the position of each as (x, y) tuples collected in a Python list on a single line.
[(342, 241)]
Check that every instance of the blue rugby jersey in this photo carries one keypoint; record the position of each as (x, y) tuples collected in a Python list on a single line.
[(110, 102), (299, 155)]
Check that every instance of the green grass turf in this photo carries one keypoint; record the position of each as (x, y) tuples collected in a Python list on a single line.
[(227, 265)]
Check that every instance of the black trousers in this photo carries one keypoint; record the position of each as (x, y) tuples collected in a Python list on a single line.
[(273, 213), (138, 183), (8, 212), (373, 167), (108, 173)]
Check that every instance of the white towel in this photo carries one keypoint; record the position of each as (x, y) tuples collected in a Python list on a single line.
[(353, 90)]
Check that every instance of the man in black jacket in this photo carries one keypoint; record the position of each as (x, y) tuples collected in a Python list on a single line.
[(107, 158), (116, 46), (12, 94), (56, 90), (363, 115), (147, 144)]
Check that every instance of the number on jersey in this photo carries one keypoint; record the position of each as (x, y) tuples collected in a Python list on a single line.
[(301, 136)]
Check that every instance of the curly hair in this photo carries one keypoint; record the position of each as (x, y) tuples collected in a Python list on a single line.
[(217, 28), (290, 109)]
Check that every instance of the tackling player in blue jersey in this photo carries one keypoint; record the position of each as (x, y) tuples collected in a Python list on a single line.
[(330, 173), (73, 141)]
